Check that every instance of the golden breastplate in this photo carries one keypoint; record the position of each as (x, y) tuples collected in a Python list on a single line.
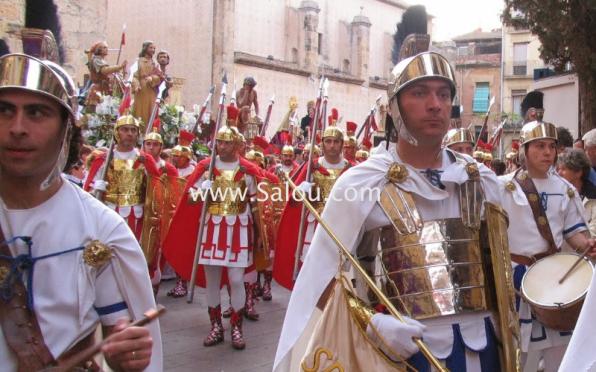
[(229, 197), (322, 187), (126, 186)]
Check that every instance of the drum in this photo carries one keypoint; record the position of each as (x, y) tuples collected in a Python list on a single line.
[(555, 305)]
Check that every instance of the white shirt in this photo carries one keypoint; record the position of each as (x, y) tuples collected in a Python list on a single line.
[(68, 294), (565, 214)]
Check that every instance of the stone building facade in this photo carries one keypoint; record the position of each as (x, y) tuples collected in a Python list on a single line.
[(286, 45)]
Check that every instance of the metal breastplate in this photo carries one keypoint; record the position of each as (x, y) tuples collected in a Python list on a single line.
[(323, 185), (439, 267), (126, 186), (229, 197)]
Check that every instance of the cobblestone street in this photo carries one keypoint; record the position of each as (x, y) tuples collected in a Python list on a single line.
[(185, 325)]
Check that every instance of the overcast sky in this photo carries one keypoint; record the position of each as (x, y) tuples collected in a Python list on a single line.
[(458, 17)]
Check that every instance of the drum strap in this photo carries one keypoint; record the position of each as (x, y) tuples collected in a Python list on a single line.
[(529, 189), (19, 323)]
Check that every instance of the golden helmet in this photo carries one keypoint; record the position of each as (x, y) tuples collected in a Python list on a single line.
[(333, 132), (182, 151), (125, 120), (228, 134), (316, 150), (361, 155), (350, 141), (459, 135), (255, 156), (287, 150), (154, 136), (478, 155), (535, 130)]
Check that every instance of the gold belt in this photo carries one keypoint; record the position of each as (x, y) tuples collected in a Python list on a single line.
[(225, 209)]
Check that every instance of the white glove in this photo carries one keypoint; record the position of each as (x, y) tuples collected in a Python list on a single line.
[(100, 185), (278, 170), (206, 185), (305, 187), (394, 337)]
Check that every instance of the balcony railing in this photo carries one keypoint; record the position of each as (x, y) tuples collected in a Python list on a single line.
[(521, 69)]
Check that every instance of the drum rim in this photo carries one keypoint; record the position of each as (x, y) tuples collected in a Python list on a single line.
[(578, 299)]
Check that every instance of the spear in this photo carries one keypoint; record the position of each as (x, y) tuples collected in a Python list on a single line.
[(370, 114), (193, 277), (205, 104), (492, 100), (122, 42), (162, 88), (323, 86), (268, 116)]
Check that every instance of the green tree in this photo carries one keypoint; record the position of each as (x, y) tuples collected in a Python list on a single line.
[(566, 30)]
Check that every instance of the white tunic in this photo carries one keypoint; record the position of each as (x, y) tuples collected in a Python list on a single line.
[(70, 297), (211, 255), (352, 219)]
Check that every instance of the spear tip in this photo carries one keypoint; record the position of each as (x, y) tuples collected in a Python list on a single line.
[(212, 89)]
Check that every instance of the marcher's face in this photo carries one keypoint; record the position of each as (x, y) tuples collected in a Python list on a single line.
[(463, 148), (180, 162), (349, 152), (540, 155), (569, 174), (129, 135), (311, 112), (153, 148), (332, 146), (151, 50), (591, 152), (163, 59), (287, 159), (31, 131), (226, 149), (103, 50), (425, 107)]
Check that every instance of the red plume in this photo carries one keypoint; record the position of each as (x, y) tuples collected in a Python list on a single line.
[(334, 116), (232, 112), (156, 124), (351, 128), (260, 143), (185, 138), (125, 104)]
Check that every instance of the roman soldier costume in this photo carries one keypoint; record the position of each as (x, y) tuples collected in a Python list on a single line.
[(127, 181), (324, 175), (227, 241)]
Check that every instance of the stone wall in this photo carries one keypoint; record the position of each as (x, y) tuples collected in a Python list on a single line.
[(82, 23)]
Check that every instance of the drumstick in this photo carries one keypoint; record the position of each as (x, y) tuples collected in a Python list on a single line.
[(88, 353), (584, 253)]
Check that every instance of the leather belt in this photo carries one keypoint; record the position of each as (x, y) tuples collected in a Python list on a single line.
[(528, 260)]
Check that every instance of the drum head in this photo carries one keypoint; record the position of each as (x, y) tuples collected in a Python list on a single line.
[(540, 284)]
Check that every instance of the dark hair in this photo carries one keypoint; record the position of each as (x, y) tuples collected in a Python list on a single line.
[(498, 166), (145, 47), (565, 139), (74, 149)]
